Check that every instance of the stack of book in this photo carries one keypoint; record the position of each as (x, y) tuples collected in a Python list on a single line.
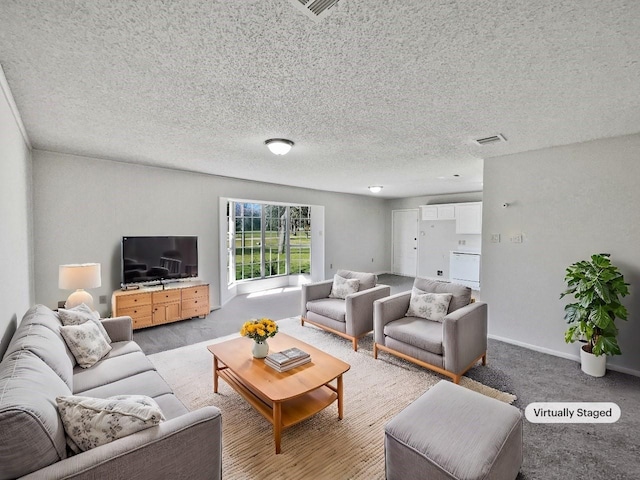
[(287, 359)]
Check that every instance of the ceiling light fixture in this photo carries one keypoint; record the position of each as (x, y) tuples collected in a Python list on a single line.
[(375, 188), (279, 146)]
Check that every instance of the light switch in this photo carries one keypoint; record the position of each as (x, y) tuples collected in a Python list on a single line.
[(495, 238)]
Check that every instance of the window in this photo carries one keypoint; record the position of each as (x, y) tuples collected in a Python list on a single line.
[(300, 239), (267, 240)]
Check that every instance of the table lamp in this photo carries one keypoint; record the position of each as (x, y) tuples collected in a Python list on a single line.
[(79, 277)]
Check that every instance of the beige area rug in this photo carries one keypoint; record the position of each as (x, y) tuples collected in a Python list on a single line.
[(321, 447)]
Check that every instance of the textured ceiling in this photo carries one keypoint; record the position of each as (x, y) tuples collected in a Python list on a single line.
[(388, 92)]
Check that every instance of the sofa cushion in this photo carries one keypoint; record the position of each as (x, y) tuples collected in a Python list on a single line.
[(461, 294), (421, 333), (122, 348), (329, 307), (80, 314), (91, 422), (86, 343), (45, 344), (432, 306), (31, 432), (43, 315), (110, 370), (170, 405), (343, 286), (367, 280), (146, 383)]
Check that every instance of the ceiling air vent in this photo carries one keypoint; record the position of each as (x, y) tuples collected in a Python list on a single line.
[(316, 9), (489, 140)]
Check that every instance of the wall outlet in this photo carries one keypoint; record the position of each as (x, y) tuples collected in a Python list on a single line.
[(495, 238), (462, 242), (516, 238), (103, 299), (372, 260), (439, 273), (331, 265)]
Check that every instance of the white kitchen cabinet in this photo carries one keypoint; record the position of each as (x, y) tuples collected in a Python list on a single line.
[(438, 212), (469, 218)]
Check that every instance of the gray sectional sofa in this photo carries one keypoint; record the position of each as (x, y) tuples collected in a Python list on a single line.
[(38, 367)]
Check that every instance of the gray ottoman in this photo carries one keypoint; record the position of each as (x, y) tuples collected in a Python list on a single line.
[(451, 432)]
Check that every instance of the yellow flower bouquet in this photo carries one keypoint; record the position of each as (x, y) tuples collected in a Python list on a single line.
[(259, 329)]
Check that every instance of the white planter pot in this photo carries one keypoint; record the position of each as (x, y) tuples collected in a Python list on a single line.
[(596, 366)]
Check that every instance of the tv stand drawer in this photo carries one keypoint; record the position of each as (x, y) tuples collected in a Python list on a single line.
[(136, 312), (166, 296), (133, 300)]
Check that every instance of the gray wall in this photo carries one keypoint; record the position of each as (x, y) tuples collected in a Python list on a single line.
[(83, 207), (568, 202), (16, 292)]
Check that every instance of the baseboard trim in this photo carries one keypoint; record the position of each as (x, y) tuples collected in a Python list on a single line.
[(556, 353)]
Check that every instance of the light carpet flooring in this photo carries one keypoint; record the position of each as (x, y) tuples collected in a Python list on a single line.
[(321, 447)]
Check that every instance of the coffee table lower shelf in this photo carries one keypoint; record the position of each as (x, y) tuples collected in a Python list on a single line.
[(289, 412)]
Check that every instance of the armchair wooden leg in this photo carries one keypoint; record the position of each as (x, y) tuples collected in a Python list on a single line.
[(302, 321), (375, 351), (456, 379), (484, 359), (355, 344)]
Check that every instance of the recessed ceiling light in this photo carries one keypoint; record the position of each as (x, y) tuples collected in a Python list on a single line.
[(375, 188), (279, 146)]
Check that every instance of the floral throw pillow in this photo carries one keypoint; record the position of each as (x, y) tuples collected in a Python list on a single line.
[(80, 314), (86, 343), (432, 306), (91, 422), (343, 286)]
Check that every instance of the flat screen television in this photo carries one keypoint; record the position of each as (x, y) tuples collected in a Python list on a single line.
[(158, 259)]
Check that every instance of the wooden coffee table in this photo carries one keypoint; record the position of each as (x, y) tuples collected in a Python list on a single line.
[(284, 399)]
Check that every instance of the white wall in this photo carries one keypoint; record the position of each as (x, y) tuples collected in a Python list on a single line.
[(83, 207), (16, 291), (568, 202)]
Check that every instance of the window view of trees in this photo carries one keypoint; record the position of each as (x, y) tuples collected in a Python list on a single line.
[(268, 240), (300, 239)]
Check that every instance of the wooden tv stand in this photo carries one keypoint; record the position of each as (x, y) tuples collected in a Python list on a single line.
[(149, 306)]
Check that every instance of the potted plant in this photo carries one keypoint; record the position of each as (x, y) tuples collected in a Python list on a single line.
[(597, 287)]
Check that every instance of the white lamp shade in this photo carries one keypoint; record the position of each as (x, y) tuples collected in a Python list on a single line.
[(279, 146), (76, 276)]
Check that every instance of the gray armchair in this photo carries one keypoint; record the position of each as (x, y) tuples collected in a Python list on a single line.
[(450, 347), (351, 318)]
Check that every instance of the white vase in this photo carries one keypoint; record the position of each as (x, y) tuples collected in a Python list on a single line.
[(593, 365), (260, 349)]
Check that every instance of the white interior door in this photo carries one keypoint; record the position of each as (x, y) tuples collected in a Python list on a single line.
[(405, 242)]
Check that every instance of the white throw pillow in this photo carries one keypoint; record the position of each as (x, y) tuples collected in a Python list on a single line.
[(80, 314), (343, 286), (91, 422), (86, 343), (432, 306)]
